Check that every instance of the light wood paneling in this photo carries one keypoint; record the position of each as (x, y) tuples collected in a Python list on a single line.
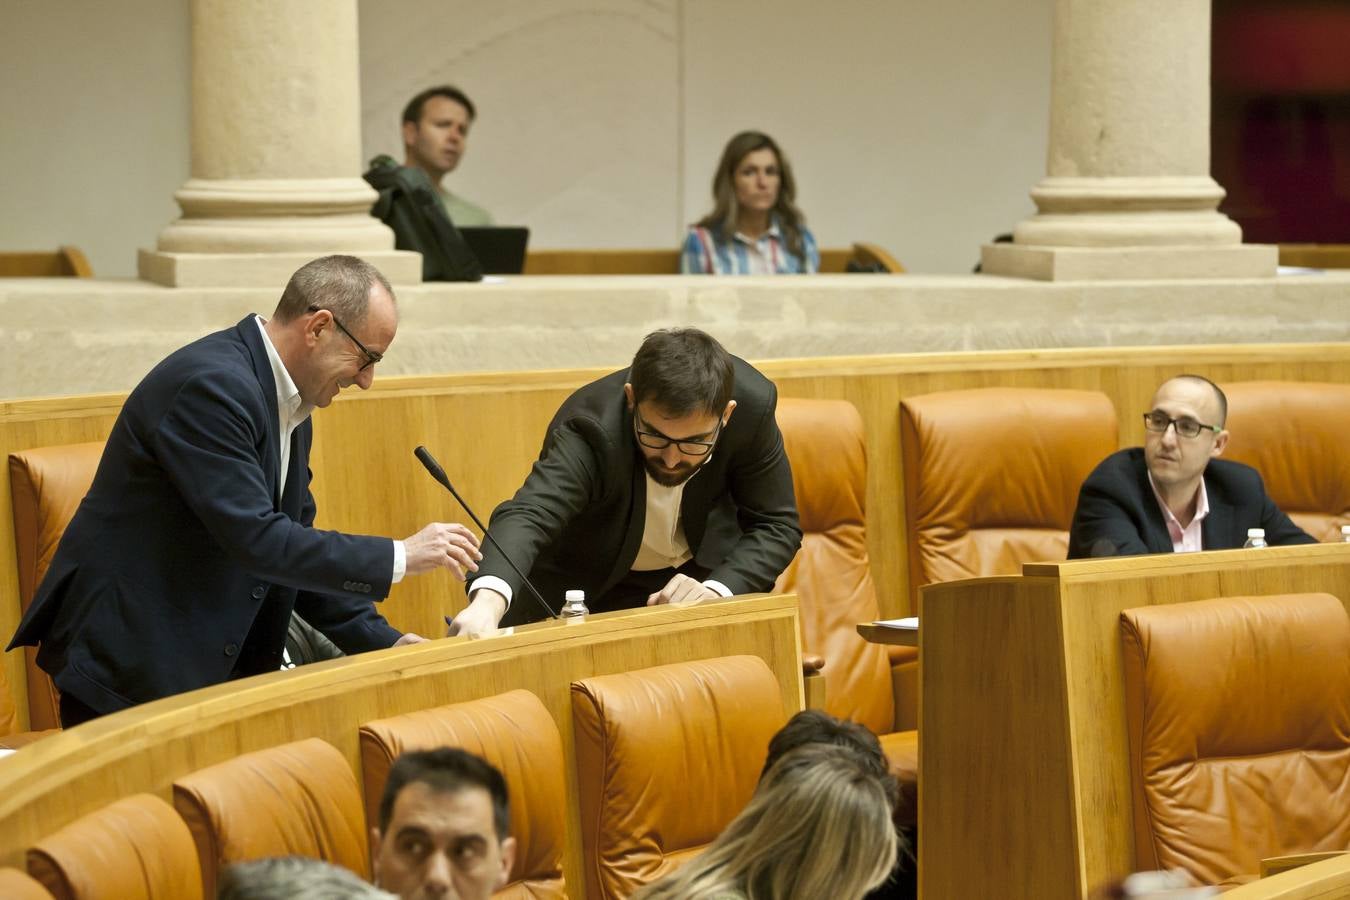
[(1023, 734), (1326, 880), (486, 430), (145, 748)]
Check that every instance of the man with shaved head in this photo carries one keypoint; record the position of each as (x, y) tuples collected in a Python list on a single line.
[(1175, 494)]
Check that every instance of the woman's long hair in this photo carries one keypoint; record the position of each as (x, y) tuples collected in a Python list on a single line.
[(726, 210), (819, 825)]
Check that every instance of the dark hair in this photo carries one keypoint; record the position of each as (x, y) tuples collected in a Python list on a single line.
[(1218, 395), (340, 284), (682, 370), (447, 770), (413, 111), (725, 207), (293, 878), (814, 726)]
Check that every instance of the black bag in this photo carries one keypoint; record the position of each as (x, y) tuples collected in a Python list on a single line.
[(408, 204)]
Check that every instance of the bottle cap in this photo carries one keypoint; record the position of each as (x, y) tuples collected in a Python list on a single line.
[(575, 595), (1256, 532)]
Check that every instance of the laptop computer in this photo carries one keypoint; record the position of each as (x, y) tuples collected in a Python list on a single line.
[(500, 249)]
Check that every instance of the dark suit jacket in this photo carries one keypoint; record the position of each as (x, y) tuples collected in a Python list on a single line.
[(577, 521), (182, 565), (1118, 515)]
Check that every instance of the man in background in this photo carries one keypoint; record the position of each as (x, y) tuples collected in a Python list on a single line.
[(444, 827), (1174, 494), (435, 135)]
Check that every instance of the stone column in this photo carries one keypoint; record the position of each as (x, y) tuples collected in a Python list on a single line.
[(1128, 192), (276, 150)]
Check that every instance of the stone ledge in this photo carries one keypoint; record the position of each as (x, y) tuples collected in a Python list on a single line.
[(77, 336)]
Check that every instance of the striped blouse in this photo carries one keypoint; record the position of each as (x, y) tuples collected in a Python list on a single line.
[(705, 253)]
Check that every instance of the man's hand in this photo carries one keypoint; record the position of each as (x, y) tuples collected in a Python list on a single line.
[(682, 589), (481, 616), (410, 638), (443, 545)]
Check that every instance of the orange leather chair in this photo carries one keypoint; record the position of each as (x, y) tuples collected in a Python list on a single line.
[(992, 476), (1294, 434), (136, 847), (666, 757), (47, 485), (297, 799), (832, 578), (1238, 716), (515, 733), (15, 885)]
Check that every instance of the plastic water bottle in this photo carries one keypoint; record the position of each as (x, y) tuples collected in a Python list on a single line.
[(1345, 533), (574, 606), (1256, 537)]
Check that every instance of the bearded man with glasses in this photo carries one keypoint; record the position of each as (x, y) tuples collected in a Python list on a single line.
[(1174, 494), (647, 490)]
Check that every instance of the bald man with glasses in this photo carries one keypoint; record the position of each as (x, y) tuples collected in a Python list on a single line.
[(182, 566), (647, 490), (1175, 494)]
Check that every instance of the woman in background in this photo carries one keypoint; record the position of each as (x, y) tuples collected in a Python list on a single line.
[(755, 227), (819, 825)]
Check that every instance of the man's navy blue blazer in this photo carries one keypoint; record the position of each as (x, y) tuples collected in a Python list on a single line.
[(1118, 515), (183, 563)]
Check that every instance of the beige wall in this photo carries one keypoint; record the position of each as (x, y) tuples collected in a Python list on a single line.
[(917, 125)]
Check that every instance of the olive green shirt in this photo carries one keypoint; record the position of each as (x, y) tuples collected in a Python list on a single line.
[(462, 212)]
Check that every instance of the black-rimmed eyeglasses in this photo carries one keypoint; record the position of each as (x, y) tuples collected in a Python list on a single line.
[(371, 356), (1188, 428), (657, 441)]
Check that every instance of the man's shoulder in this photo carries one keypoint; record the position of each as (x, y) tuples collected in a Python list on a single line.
[(221, 361), (1228, 472)]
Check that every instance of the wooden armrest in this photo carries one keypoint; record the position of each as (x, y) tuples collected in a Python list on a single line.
[(1277, 864)]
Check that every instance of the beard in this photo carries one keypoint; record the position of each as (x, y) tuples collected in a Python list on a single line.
[(670, 477)]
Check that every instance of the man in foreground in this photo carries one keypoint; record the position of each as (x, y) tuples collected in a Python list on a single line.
[(1174, 494), (648, 490), (444, 827), (182, 565)]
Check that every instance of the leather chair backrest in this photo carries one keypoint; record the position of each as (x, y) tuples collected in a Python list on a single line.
[(666, 757), (136, 847), (1297, 435), (831, 574), (297, 799), (992, 476), (515, 733), (1238, 716), (47, 485), (16, 885)]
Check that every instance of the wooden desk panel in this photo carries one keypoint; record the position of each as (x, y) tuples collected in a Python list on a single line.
[(46, 785), (1022, 717)]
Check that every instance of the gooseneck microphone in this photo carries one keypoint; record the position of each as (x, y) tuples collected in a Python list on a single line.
[(434, 468)]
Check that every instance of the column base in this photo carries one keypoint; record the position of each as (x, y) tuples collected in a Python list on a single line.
[(1129, 263), (259, 269)]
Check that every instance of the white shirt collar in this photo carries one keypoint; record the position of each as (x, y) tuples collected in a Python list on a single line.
[(290, 407)]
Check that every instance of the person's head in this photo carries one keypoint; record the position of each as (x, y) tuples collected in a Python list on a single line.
[(819, 825), (444, 827), (436, 130), (336, 318), (755, 178), (293, 878), (814, 726), (1184, 430), (679, 391)]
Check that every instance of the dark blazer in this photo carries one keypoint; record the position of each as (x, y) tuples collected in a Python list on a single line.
[(577, 521), (182, 565), (1118, 515)]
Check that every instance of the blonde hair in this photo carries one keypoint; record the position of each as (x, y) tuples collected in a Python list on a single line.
[(726, 209), (819, 825)]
